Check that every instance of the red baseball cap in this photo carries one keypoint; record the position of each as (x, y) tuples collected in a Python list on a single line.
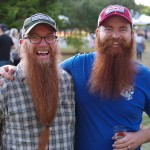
[(114, 10)]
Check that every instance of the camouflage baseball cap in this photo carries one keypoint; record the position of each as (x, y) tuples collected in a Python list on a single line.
[(36, 19)]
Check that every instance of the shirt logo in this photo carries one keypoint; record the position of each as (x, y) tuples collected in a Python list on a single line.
[(127, 93)]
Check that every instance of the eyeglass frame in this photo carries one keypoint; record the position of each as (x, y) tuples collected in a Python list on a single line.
[(42, 37)]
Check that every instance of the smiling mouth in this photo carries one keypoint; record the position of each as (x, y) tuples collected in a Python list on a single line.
[(42, 53)]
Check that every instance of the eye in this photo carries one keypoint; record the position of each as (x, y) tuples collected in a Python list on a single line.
[(108, 29), (123, 29)]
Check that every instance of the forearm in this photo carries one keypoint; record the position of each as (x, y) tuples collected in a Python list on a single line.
[(145, 135)]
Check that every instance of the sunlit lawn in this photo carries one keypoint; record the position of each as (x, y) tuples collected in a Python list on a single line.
[(146, 123), (146, 120)]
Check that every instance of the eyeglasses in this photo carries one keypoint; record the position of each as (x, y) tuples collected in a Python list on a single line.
[(35, 39)]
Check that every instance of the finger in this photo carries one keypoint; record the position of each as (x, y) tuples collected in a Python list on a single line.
[(4, 68), (121, 146), (125, 148), (122, 140), (10, 71), (7, 75), (121, 143), (122, 149)]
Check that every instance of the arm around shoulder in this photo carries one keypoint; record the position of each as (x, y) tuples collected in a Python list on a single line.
[(6, 71)]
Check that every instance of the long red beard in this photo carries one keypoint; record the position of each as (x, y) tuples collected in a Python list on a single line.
[(113, 69), (42, 79)]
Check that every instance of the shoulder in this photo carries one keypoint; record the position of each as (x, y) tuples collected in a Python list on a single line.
[(142, 69), (78, 58), (7, 36), (143, 73), (84, 55), (63, 75), (6, 86), (66, 84)]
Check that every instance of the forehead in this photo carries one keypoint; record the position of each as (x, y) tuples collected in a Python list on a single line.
[(116, 20), (42, 29)]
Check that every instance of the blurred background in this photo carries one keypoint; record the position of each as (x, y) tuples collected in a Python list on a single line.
[(76, 19)]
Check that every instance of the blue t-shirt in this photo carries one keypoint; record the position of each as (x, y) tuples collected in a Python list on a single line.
[(96, 117)]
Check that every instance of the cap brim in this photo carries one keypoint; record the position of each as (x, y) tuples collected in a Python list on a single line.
[(37, 24)]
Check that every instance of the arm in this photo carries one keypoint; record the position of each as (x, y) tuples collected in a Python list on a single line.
[(6, 71), (132, 140)]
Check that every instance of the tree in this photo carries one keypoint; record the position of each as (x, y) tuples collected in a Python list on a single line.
[(82, 14), (13, 13), (145, 10)]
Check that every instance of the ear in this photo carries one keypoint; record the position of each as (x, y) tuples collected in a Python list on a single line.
[(132, 33), (97, 32), (21, 41)]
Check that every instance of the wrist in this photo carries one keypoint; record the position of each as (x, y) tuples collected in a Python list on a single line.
[(144, 135)]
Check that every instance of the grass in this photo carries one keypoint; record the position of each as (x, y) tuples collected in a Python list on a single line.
[(146, 120), (146, 54), (145, 124)]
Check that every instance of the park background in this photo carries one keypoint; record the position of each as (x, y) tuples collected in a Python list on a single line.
[(76, 23)]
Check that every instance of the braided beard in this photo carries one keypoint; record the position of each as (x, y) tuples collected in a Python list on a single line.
[(113, 69), (42, 79)]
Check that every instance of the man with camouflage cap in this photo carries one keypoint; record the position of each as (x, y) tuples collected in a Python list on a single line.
[(37, 109)]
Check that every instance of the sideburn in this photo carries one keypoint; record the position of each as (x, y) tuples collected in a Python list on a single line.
[(112, 73)]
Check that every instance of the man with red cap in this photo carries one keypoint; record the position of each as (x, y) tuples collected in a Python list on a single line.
[(111, 88)]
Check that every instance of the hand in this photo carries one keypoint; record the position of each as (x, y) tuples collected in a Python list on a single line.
[(130, 142), (6, 71)]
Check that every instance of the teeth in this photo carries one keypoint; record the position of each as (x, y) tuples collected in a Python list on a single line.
[(42, 52), (116, 43)]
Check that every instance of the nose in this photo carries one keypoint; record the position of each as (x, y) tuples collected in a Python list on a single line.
[(43, 42), (115, 34)]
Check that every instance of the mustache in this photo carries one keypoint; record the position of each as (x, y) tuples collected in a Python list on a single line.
[(43, 48), (107, 44)]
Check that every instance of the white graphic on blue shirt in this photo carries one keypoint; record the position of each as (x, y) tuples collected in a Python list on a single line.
[(127, 93)]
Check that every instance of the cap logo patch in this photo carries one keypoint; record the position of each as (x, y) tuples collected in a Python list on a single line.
[(40, 16), (114, 9)]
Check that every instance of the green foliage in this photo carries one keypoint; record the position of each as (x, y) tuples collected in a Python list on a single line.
[(13, 13), (82, 14), (76, 42), (145, 10)]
